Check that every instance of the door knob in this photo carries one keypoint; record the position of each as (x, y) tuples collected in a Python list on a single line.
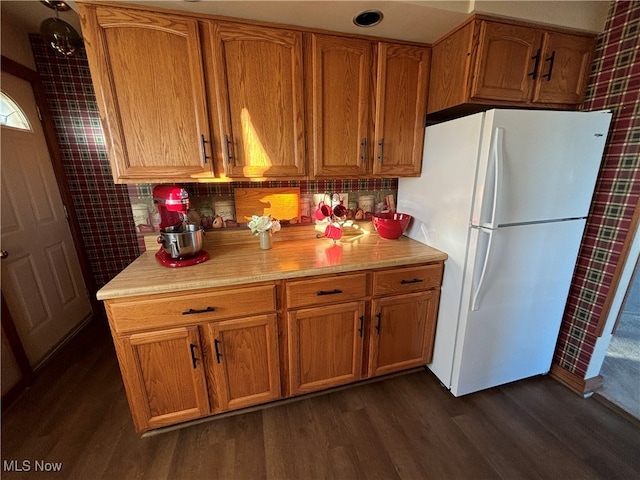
[(4, 254)]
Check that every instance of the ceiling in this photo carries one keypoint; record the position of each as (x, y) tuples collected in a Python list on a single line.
[(420, 21)]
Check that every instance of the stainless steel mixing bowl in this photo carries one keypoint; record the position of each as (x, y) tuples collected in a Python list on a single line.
[(182, 241)]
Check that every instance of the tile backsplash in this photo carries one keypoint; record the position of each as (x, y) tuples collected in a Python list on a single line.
[(212, 204)]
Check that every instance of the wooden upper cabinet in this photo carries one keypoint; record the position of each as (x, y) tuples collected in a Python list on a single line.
[(401, 108), (500, 63), (148, 73), (506, 62), (339, 81), (565, 65), (258, 88)]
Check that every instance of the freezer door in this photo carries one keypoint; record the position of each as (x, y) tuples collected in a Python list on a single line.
[(514, 295), (537, 166)]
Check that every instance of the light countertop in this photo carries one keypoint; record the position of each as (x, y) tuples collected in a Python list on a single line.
[(291, 257)]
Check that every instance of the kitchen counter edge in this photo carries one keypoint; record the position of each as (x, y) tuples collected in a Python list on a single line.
[(231, 265)]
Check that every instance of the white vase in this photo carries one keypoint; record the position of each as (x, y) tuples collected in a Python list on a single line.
[(265, 240)]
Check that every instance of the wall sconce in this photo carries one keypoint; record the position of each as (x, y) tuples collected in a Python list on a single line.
[(57, 33)]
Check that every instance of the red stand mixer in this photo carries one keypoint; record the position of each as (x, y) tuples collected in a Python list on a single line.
[(181, 241)]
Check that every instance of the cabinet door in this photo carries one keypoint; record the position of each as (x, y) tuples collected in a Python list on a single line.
[(259, 92), (245, 361), (401, 108), (148, 74), (402, 331), (164, 376), (506, 62), (565, 66), (325, 346), (339, 88)]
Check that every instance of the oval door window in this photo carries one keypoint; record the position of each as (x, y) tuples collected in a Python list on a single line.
[(11, 115)]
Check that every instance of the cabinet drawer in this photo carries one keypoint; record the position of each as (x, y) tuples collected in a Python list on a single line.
[(322, 291), (405, 280), (185, 308)]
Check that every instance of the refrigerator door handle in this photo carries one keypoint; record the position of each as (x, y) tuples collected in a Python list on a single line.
[(475, 298), (498, 159)]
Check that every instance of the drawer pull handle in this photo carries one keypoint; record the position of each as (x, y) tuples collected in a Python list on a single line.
[(361, 325), (193, 354), (328, 292), (415, 280), (191, 311), (534, 73), (379, 316), (216, 344), (551, 60), (204, 150)]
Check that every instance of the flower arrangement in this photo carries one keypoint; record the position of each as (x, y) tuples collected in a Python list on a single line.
[(261, 224)]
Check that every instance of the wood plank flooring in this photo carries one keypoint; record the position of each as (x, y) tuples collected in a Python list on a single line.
[(404, 427)]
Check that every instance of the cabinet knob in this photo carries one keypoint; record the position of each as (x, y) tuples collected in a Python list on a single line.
[(4, 254)]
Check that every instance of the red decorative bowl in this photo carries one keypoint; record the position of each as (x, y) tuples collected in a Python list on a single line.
[(391, 225)]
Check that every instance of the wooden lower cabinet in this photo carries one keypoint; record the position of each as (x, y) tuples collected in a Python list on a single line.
[(325, 346), (244, 361), (185, 356), (402, 331), (164, 376)]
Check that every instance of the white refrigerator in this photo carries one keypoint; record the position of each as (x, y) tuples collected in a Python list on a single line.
[(505, 193)]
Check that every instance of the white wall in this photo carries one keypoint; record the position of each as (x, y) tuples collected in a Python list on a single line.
[(583, 15)]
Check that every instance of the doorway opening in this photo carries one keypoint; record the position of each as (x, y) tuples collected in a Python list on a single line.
[(621, 366)]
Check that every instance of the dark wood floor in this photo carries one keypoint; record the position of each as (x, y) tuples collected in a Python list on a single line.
[(402, 427)]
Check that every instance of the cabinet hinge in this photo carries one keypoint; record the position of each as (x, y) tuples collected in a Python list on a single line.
[(39, 114), (66, 212)]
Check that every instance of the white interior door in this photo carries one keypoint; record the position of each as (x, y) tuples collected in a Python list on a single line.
[(41, 276)]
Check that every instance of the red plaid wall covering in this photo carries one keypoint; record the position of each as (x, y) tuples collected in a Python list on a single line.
[(103, 208), (615, 85)]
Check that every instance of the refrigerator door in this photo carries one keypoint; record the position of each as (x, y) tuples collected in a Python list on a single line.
[(440, 202), (514, 295), (538, 166)]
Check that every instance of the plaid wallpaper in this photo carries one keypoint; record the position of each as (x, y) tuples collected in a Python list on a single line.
[(103, 208), (615, 85)]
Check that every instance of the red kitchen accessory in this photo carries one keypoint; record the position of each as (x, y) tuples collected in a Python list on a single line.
[(340, 211), (333, 232), (181, 242), (323, 211)]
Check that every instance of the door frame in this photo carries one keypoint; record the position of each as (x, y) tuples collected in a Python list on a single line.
[(19, 354), (18, 70)]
